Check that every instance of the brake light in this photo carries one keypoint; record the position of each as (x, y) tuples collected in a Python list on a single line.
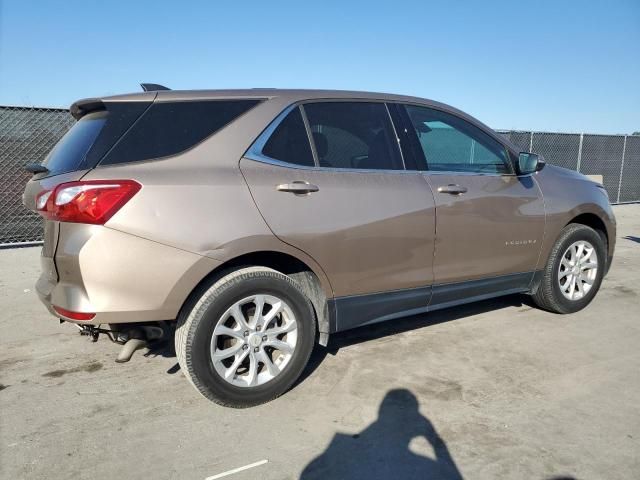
[(74, 315), (93, 201)]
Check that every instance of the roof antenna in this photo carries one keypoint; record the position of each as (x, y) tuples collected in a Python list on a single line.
[(153, 87)]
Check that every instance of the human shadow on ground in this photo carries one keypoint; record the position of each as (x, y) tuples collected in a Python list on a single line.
[(382, 450), (632, 238)]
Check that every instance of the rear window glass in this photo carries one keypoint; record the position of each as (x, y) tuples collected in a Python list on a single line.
[(70, 152), (169, 128), (289, 142)]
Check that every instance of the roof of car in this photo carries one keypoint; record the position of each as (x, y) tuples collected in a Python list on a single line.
[(285, 95), (291, 94)]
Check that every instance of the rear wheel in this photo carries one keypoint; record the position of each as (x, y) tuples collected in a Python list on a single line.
[(247, 338), (574, 271)]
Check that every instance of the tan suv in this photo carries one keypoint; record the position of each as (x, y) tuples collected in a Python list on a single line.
[(261, 221)]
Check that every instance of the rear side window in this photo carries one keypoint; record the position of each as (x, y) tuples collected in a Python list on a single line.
[(289, 141), (168, 128), (353, 135), (450, 144), (70, 152)]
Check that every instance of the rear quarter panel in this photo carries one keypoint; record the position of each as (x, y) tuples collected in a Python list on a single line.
[(198, 201)]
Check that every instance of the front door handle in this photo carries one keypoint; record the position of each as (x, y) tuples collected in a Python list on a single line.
[(298, 187), (452, 189)]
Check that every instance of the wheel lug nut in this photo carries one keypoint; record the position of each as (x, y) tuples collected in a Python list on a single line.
[(246, 333), (258, 327), (264, 339), (244, 347), (256, 349)]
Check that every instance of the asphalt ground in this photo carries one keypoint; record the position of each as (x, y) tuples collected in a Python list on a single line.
[(496, 389)]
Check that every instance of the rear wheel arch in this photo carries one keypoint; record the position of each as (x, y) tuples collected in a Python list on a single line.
[(236, 354), (305, 276)]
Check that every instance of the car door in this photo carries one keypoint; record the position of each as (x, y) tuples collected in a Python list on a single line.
[(490, 222), (329, 179)]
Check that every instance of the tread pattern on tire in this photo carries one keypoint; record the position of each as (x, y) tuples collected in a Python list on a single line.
[(545, 297), (205, 297)]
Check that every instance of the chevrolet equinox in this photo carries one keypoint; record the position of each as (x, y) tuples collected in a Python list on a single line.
[(259, 222)]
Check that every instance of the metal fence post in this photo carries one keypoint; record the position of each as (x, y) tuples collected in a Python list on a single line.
[(580, 152), (531, 142), (624, 149)]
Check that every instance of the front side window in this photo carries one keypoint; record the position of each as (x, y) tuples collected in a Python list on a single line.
[(355, 135), (450, 144)]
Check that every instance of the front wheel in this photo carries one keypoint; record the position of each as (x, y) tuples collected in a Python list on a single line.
[(574, 270), (247, 338)]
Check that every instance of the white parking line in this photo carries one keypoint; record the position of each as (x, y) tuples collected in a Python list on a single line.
[(236, 470)]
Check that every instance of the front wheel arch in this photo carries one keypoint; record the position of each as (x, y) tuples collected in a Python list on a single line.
[(544, 291)]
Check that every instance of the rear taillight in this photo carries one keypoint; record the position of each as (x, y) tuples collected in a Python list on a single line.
[(93, 201), (81, 316)]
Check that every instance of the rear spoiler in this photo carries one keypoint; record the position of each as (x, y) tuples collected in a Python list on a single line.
[(80, 108)]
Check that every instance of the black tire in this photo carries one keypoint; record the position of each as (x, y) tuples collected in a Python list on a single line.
[(548, 295), (199, 317)]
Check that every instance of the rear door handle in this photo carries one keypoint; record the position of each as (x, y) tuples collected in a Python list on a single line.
[(298, 187), (452, 189)]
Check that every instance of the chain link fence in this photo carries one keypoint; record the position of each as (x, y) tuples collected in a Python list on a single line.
[(27, 134), (615, 157)]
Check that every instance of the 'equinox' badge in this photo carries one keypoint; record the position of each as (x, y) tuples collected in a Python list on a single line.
[(519, 242)]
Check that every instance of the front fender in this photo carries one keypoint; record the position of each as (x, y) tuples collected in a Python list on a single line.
[(567, 196)]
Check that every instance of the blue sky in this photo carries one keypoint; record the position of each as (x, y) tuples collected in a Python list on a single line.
[(544, 65)]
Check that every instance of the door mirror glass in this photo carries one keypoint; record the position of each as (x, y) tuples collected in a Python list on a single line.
[(530, 163)]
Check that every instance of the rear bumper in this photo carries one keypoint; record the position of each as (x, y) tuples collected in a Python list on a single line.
[(118, 276)]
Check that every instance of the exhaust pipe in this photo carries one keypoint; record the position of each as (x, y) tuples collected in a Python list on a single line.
[(129, 347), (137, 338)]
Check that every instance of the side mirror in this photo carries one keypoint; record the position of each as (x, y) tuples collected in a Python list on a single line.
[(530, 163)]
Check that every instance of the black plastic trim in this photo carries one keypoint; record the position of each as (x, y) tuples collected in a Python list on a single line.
[(535, 281), (356, 311), (361, 310), (450, 294), (36, 168)]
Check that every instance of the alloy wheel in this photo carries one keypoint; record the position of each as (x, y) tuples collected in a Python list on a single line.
[(578, 270), (254, 340)]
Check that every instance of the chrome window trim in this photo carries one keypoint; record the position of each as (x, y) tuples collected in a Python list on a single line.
[(279, 163), (255, 150), (465, 174)]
